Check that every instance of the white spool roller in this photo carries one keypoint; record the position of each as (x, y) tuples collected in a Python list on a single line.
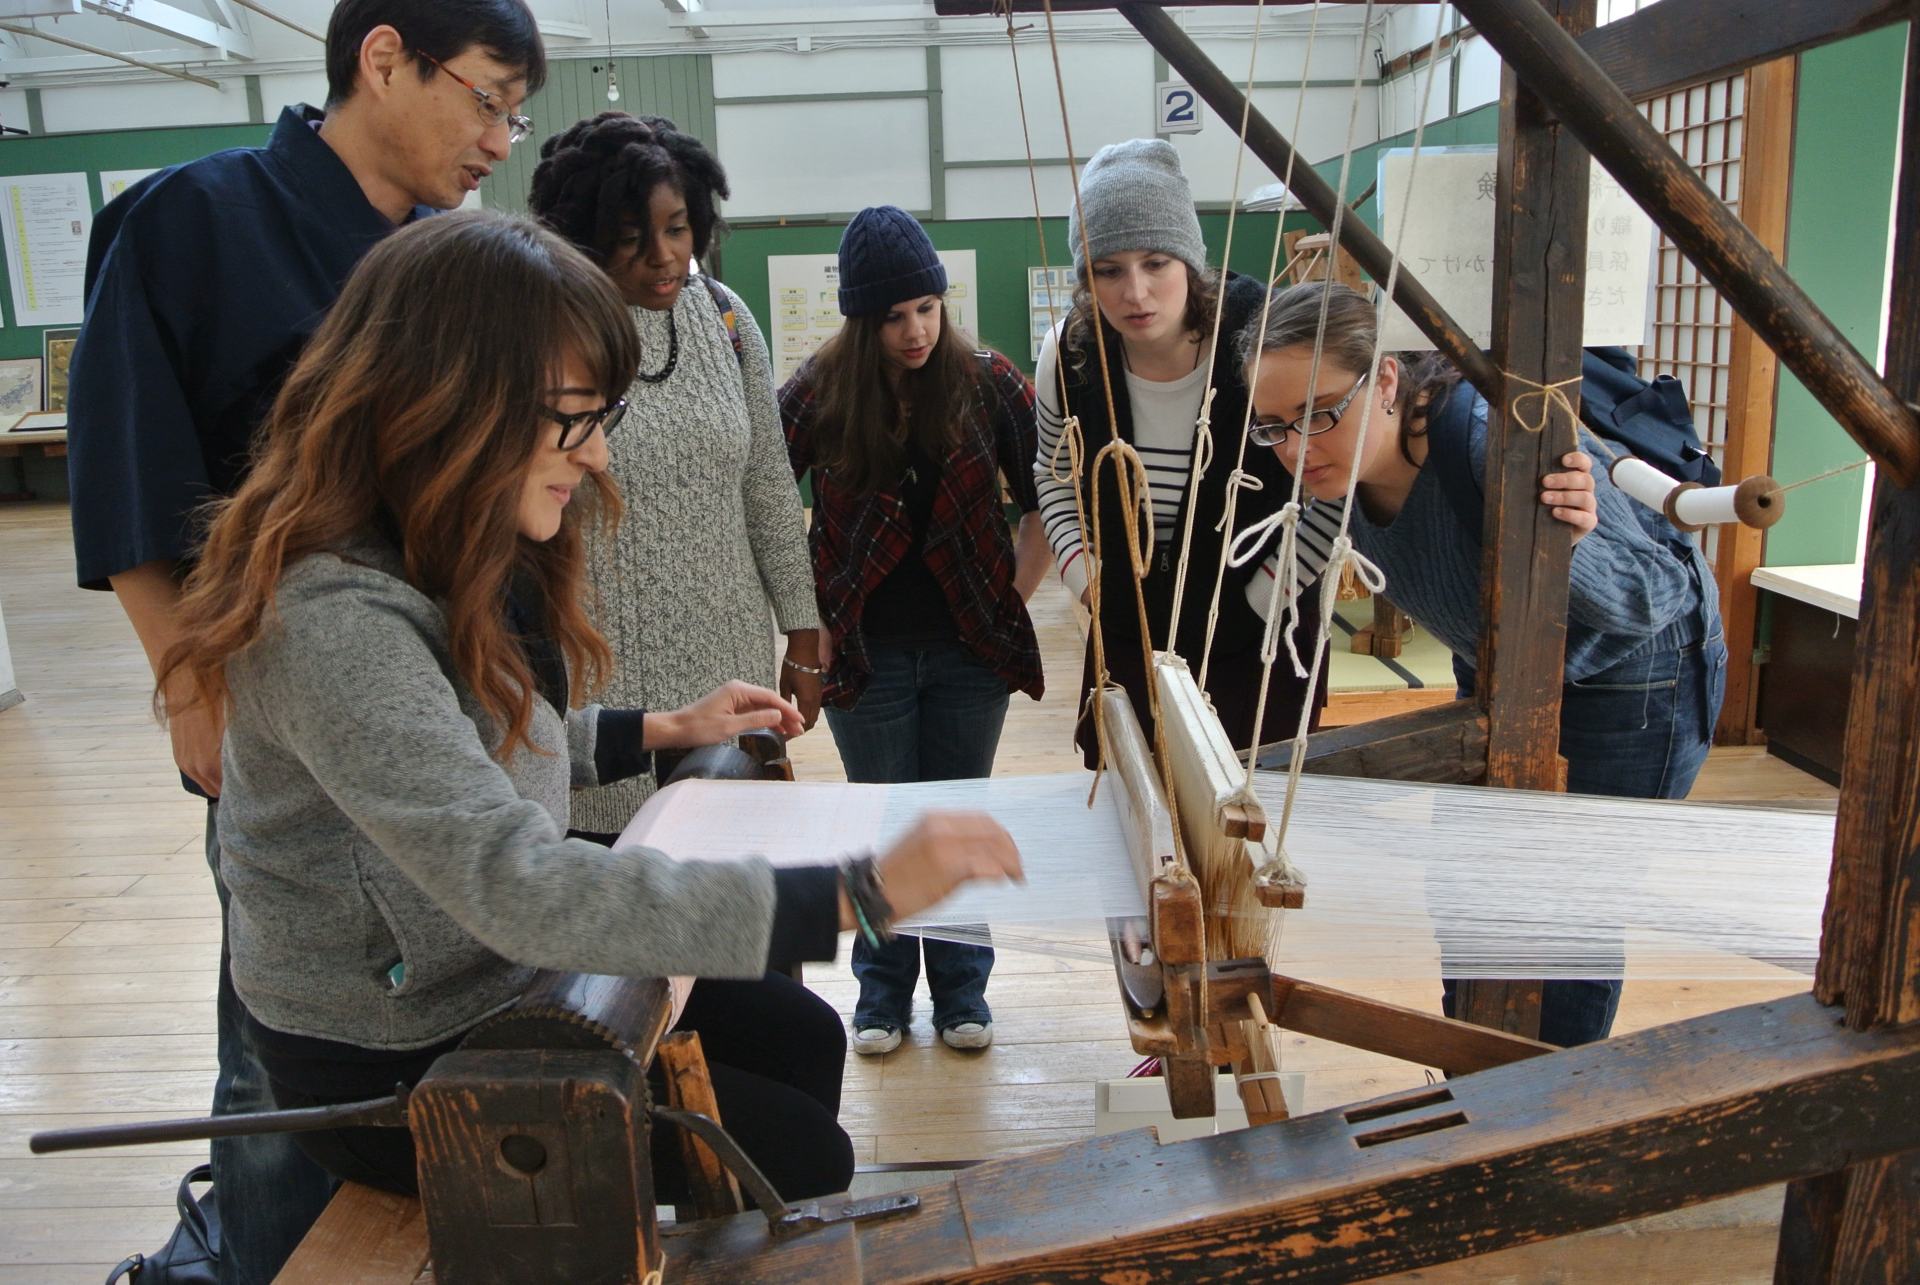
[(1757, 502)]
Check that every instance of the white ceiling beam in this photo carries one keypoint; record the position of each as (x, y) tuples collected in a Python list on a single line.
[(683, 8), (800, 17), (252, 6), (167, 20), (15, 64), (129, 59)]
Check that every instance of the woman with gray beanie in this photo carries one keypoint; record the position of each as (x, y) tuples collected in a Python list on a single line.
[(923, 592), (1146, 294)]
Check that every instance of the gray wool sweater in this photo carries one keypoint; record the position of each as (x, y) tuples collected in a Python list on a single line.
[(364, 825), (711, 551)]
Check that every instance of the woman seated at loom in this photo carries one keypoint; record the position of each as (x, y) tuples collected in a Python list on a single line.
[(1145, 294), (389, 612), (909, 431), (1645, 664)]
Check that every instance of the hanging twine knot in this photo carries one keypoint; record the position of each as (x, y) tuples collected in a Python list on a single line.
[(1245, 547), (1204, 423), (1071, 443), (1342, 558), (1550, 397), (1237, 481)]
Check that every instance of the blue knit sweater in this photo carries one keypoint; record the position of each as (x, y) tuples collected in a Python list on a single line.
[(1630, 593)]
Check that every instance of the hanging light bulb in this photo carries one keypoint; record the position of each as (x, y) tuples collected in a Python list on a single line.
[(613, 84)]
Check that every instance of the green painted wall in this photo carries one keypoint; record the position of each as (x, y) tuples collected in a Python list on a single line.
[(678, 87), (1837, 224), (126, 150)]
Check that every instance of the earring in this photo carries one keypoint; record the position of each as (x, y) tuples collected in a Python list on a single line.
[(1393, 410)]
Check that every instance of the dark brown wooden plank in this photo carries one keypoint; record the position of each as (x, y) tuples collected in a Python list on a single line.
[(1681, 42), (1440, 745), (1457, 1048), (1727, 254), (1692, 1111), (1272, 148), (1540, 250), (1847, 1225)]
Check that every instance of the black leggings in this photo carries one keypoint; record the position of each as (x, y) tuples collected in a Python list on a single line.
[(775, 1050)]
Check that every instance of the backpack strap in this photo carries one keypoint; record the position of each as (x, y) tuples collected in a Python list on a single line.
[(1450, 456), (727, 317)]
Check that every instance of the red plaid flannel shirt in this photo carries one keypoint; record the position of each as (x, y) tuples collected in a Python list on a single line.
[(857, 540)]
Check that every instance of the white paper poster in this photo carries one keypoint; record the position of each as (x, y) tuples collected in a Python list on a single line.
[(803, 294), (114, 182), (1448, 245), (46, 218), (1049, 299)]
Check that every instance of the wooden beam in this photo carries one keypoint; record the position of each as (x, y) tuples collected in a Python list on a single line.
[(1657, 1120), (1676, 43), (1753, 375), (1540, 252), (1439, 744), (1456, 1048), (1275, 152), (1848, 1225), (1727, 254)]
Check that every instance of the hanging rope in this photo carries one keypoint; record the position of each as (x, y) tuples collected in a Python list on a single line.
[(1343, 554), (1202, 454), (1240, 480)]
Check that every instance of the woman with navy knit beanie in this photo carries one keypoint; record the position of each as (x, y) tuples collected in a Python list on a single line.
[(910, 433), (1146, 294)]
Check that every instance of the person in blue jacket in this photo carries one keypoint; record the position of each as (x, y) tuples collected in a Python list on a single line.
[(1645, 661)]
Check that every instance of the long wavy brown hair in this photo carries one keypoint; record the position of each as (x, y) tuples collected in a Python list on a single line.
[(412, 417), (863, 432)]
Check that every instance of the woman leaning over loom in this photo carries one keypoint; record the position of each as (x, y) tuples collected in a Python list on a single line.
[(714, 549), (923, 597), (389, 614), (1645, 664), (1146, 294)]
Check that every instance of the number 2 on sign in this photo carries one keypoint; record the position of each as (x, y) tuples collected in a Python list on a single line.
[(1179, 109)]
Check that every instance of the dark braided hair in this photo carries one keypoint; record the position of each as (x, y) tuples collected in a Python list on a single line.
[(597, 177)]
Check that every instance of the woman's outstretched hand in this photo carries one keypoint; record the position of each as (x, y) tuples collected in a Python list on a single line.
[(1570, 494), (720, 716), (941, 852)]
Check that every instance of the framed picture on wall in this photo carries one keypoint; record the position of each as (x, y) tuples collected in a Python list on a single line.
[(57, 346), (19, 387)]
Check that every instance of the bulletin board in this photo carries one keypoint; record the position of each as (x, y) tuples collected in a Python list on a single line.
[(1448, 245), (804, 293)]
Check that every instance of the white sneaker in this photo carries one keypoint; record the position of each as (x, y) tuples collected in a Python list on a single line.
[(872, 1041), (968, 1035)]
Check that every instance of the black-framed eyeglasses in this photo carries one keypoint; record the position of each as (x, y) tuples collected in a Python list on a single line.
[(493, 108), (576, 428), (1273, 432)]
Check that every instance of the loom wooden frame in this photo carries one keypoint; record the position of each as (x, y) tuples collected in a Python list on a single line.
[(1815, 1090), (1226, 1207)]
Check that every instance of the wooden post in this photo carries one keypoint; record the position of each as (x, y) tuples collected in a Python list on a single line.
[(1540, 255), (1752, 376), (1863, 1223)]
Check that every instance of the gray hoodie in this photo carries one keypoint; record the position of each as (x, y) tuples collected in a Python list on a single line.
[(391, 882)]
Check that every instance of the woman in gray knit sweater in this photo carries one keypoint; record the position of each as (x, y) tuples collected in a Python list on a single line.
[(715, 544), (387, 616)]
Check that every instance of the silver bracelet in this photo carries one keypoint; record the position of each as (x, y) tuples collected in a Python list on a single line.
[(798, 668)]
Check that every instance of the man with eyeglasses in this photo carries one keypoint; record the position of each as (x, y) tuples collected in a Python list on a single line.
[(204, 282)]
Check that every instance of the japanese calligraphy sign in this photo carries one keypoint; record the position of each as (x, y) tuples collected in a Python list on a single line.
[(1448, 245)]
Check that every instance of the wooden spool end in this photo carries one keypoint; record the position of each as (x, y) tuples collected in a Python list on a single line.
[(1672, 510), (1759, 502)]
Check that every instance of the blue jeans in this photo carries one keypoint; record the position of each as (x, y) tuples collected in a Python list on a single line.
[(929, 714), (1640, 730), (269, 1192)]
